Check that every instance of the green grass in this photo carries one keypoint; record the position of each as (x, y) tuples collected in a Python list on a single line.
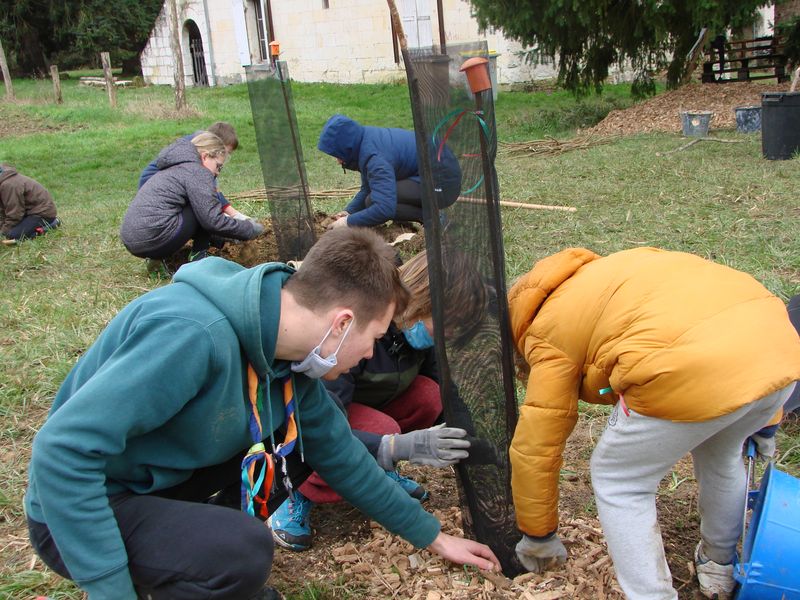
[(721, 201)]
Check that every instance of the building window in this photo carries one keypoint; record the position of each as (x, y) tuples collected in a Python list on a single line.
[(326, 4), (262, 41)]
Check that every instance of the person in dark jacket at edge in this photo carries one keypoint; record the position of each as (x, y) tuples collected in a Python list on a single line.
[(179, 203), (390, 182), (392, 399), (156, 418), (26, 207)]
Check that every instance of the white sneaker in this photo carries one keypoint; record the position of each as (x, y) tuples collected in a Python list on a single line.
[(716, 580)]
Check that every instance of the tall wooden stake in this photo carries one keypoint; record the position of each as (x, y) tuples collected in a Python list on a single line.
[(111, 88), (6, 74), (56, 84), (177, 54)]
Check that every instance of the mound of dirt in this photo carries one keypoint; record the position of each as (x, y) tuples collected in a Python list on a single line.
[(265, 248), (662, 113)]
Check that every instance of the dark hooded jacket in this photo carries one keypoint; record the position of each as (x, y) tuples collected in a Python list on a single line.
[(154, 215), (384, 156), (20, 197), (163, 392), (376, 381)]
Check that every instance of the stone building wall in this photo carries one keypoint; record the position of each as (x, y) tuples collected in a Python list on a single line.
[(348, 42)]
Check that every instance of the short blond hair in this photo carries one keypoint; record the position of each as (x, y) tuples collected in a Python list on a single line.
[(210, 144)]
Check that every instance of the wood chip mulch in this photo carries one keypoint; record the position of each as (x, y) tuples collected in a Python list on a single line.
[(386, 566), (662, 113)]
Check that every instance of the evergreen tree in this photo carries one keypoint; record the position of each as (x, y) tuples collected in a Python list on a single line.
[(72, 33), (589, 36)]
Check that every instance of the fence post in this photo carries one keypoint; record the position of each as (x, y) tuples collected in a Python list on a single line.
[(6, 74), (56, 84), (177, 54), (111, 88)]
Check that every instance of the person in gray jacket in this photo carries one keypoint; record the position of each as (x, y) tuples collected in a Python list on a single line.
[(179, 203)]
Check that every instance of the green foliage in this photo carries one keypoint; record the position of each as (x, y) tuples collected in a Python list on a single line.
[(587, 37), (790, 32), (72, 34)]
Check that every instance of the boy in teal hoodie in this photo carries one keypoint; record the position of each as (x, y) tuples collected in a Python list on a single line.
[(158, 415)]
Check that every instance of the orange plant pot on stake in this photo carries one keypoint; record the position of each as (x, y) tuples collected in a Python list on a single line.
[(477, 71), (274, 51)]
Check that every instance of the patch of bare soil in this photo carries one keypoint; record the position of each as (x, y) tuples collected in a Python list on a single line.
[(265, 248), (361, 556), (14, 123), (662, 113)]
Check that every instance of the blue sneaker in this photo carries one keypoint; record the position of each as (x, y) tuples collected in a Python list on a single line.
[(411, 487), (291, 526)]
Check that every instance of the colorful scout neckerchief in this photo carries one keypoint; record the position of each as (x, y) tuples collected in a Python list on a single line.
[(252, 483)]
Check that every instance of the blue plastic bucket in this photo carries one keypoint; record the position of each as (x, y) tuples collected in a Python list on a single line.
[(770, 564), (748, 119), (695, 124)]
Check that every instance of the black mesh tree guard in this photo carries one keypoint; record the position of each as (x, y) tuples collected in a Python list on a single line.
[(281, 157), (477, 380)]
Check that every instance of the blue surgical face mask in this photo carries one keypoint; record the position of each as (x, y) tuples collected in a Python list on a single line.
[(315, 365), (418, 337)]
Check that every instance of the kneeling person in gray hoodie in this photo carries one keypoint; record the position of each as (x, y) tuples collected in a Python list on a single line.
[(179, 203)]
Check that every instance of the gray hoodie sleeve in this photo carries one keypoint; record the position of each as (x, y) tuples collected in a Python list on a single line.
[(201, 192)]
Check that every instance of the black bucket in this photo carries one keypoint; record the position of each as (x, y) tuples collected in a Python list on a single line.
[(780, 124)]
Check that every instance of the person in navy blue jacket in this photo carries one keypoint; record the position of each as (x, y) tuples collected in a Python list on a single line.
[(390, 182)]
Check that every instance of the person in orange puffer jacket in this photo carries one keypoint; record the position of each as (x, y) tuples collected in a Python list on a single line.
[(694, 356)]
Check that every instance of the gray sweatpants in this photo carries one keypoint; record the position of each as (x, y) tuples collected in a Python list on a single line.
[(633, 455)]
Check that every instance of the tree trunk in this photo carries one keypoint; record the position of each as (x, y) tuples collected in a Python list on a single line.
[(6, 74), (111, 87), (177, 53), (56, 84)]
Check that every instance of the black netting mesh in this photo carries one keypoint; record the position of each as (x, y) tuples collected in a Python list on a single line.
[(281, 159), (475, 361)]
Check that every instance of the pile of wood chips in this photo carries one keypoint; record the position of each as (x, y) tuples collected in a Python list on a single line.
[(662, 112), (386, 566)]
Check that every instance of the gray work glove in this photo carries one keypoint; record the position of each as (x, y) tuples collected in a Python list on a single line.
[(242, 217), (437, 446), (258, 229), (537, 555), (765, 446)]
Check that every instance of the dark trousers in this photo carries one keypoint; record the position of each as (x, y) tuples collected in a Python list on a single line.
[(409, 201), (30, 227), (182, 543)]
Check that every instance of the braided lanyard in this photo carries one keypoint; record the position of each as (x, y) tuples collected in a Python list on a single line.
[(285, 448), (252, 483)]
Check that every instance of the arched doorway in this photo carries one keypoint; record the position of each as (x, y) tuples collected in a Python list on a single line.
[(199, 73)]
